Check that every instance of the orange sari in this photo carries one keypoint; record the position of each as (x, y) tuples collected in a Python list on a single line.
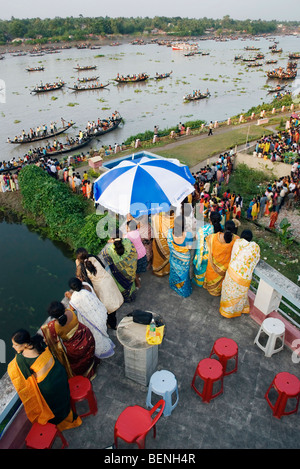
[(27, 386), (161, 223), (219, 255)]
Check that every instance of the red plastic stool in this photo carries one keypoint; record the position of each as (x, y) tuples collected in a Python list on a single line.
[(210, 371), (81, 390), (287, 387), (43, 436), (225, 349)]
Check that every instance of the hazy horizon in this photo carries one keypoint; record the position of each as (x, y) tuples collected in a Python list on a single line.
[(215, 9)]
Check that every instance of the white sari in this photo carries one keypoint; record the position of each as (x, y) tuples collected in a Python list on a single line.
[(93, 314)]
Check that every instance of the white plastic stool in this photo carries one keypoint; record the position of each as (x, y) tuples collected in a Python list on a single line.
[(274, 329), (164, 384)]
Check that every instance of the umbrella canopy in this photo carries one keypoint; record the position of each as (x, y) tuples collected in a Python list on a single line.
[(143, 186)]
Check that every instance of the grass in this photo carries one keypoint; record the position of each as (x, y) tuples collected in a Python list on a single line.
[(194, 152)]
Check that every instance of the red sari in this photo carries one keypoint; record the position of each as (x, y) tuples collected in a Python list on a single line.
[(73, 345)]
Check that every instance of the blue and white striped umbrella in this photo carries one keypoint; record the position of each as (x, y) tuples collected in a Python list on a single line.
[(143, 186)]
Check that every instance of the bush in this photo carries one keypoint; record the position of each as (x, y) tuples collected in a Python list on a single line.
[(63, 212)]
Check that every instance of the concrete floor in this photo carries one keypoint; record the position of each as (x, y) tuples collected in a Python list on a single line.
[(240, 418)]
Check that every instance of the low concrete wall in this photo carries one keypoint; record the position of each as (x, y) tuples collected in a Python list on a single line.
[(277, 168)]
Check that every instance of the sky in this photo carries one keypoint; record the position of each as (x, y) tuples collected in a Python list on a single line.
[(281, 10)]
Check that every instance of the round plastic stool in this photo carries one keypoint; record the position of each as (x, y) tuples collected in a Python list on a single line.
[(43, 436), (287, 387), (81, 390), (210, 371), (275, 330), (164, 384), (226, 350)]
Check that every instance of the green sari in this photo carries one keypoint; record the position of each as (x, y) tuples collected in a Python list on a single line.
[(123, 268)]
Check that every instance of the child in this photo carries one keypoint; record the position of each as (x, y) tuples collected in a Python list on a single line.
[(134, 235)]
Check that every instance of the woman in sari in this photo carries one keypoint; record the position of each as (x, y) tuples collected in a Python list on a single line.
[(180, 245), (90, 269), (121, 257), (201, 251), (219, 252), (161, 223), (244, 258), (71, 342), (41, 382), (92, 313)]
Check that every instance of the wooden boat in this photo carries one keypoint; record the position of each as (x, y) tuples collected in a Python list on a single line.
[(9, 169), (271, 61), (204, 53), (48, 87), (259, 56), (249, 59), (35, 69), (105, 129), (294, 56), (275, 51), (87, 88), (190, 97), (66, 148), (86, 79), (44, 136), (282, 74), (79, 68), (255, 64), (131, 78), (277, 88), (162, 75), (238, 57), (251, 48)]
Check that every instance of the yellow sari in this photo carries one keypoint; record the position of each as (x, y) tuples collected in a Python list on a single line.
[(218, 260), (27, 383), (234, 298), (161, 223)]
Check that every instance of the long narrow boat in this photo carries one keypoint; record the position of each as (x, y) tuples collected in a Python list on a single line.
[(48, 87), (131, 78), (79, 68), (86, 79), (44, 136), (271, 62), (162, 75), (294, 56), (190, 97), (66, 148), (277, 88), (107, 126), (35, 69), (87, 88), (282, 74)]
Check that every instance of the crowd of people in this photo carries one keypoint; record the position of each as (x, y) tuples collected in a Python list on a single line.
[(275, 147)]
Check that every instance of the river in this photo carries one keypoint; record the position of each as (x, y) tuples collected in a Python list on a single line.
[(234, 88), (34, 272)]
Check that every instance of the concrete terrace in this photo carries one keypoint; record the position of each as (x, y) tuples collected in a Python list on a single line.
[(240, 418)]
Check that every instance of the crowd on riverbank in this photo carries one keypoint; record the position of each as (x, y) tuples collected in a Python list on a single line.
[(283, 146)]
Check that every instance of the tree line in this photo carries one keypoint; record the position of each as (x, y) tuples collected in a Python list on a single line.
[(80, 28)]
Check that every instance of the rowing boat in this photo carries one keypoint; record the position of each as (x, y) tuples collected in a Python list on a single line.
[(131, 79), (190, 97), (162, 75), (66, 148), (84, 80), (85, 67), (104, 130), (35, 69), (44, 136), (277, 88), (87, 88), (48, 87)]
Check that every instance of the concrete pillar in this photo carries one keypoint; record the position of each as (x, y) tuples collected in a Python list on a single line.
[(292, 107), (283, 109), (252, 116), (241, 118), (228, 121), (267, 299), (188, 131), (137, 143), (173, 134), (216, 124), (155, 139)]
